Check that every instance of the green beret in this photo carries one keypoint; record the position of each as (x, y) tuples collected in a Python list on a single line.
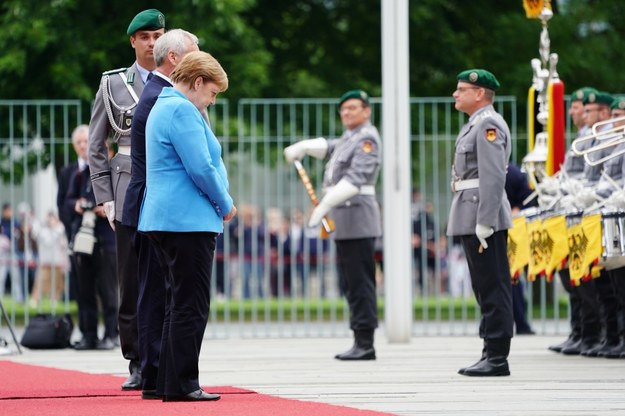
[(150, 19), (359, 94), (479, 77), (618, 103), (599, 97), (581, 94)]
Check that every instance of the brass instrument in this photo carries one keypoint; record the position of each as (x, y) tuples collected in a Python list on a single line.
[(327, 224), (601, 135)]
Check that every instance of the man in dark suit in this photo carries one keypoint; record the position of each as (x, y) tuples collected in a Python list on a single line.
[(80, 136), (169, 49), (112, 116)]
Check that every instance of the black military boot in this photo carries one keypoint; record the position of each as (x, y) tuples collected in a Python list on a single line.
[(573, 338), (590, 339), (482, 358), (614, 351), (496, 362), (362, 348)]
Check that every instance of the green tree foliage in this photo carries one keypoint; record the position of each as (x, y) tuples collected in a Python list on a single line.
[(310, 48)]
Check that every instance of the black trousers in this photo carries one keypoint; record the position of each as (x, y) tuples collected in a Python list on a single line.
[(152, 274), (491, 282), (617, 276), (574, 301), (189, 258), (357, 267), (96, 278), (128, 294)]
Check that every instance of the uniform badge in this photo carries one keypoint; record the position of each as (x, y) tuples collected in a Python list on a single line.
[(131, 78), (367, 146), (491, 134)]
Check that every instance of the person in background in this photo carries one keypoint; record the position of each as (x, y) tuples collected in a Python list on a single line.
[(80, 137), (93, 245), (480, 214), (518, 190), (351, 173), (53, 261), (112, 114), (182, 153)]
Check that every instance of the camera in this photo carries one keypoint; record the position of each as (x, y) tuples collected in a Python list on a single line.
[(85, 239)]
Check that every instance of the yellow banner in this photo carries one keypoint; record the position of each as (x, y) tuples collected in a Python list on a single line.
[(538, 257), (555, 243), (585, 248), (534, 7), (518, 247)]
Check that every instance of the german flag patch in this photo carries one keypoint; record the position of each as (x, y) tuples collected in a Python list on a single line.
[(367, 146), (491, 134)]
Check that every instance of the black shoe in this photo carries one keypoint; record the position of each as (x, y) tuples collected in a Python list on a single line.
[(488, 368), (195, 396), (106, 344), (617, 351), (151, 395), (85, 344), (133, 382), (527, 331), (573, 349), (357, 353), (462, 370), (565, 344)]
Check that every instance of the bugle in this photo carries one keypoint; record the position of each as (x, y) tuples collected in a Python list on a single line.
[(601, 135), (618, 140), (327, 225)]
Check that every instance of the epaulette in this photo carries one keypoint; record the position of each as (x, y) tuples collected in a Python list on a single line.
[(114, 71), (484, 115)]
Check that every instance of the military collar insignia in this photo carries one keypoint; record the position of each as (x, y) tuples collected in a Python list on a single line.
[(131, 78)]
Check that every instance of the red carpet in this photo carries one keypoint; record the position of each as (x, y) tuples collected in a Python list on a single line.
[(27, 390)]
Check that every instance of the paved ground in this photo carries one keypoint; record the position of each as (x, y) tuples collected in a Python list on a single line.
[(417, 378)]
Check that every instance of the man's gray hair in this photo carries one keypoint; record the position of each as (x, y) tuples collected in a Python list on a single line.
[(175, 40)]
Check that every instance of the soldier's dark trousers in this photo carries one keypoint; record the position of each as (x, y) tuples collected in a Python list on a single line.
[(357, 264), (491, 282), (128, 295)]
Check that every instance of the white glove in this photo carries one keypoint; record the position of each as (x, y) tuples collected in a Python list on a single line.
[(314, 147), (483, 232), (109, 210), (340, 192), (548, 185), (587, 197)]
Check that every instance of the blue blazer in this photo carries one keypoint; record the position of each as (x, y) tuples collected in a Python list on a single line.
[(186, 180), (136, 187)]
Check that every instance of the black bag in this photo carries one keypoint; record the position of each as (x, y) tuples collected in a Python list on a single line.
[(45, 331)]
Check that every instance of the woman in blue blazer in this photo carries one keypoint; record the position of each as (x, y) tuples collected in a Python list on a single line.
[(185, 205)]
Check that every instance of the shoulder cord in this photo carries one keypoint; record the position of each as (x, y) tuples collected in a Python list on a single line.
[(106, 96)]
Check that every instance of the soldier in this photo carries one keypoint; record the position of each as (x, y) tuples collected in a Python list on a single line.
[(111, 117), (349, 181), (480, 214), (574, 168)]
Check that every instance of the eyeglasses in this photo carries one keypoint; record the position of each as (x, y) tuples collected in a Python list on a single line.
[(463, 89), (590, 110), (350, 108)]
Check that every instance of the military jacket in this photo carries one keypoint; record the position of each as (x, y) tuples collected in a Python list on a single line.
[(111, 118), (356, 157), (483, 150)]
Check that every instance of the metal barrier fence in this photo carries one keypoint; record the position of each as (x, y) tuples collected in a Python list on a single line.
[(272, 275)]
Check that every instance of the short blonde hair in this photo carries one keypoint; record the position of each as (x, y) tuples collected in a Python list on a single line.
[(200, 64)]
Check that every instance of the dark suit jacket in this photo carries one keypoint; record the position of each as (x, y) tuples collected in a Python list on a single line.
[(136, 188), (64, 179)]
